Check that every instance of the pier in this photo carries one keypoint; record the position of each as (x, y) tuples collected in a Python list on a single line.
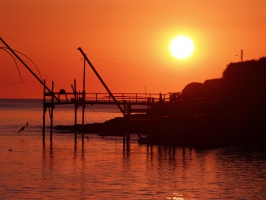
[(127, 103), (211, 114), (130, 104)]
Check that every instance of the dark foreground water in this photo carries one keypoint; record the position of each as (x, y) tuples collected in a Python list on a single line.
[(101, 168)]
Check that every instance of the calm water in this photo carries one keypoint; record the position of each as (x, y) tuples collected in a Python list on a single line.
[(102, 169)]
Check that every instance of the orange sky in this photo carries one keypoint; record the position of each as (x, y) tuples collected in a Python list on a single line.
[(127, 42)]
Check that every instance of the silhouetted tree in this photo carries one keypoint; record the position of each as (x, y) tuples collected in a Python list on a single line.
[(193, 90), (244, 80), (211, 87)]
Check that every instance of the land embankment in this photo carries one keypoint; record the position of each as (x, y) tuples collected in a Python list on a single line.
[(230, 110)]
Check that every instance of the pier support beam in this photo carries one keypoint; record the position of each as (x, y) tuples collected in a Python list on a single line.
[(43, 124), (83, 99), (51, 109), (76, 108), (43, 116)]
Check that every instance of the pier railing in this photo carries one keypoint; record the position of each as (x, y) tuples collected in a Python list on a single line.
[(125, 97), (101, 98)]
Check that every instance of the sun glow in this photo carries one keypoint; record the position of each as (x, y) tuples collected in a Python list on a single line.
[(181, 47)]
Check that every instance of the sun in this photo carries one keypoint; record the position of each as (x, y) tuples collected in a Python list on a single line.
[(181, 47)]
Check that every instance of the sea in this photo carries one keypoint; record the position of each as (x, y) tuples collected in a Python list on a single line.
[(104, 168)]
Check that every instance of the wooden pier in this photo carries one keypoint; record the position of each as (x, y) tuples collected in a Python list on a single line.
[(127, 103), (131, 103)]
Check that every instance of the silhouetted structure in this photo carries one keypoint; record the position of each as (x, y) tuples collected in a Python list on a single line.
[(226, 111)]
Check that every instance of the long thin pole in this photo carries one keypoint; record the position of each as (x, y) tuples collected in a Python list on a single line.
[(83, 99), (15, 54), (43, 117), (76, 107), (103, 83), (52, 116), (84, 78)]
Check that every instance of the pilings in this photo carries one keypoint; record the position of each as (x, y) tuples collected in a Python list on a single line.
[(51, 112), (131, 103), (76, 110), (49, 104), (43, 116), (50, 107)]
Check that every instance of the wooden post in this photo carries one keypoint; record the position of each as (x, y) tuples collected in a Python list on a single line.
[(75, 125), (83, 114), (43, 116), (83, 99), (128, 110), (76, 107), (101, 80), (52, 114)]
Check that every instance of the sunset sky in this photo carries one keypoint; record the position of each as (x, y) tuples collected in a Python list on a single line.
[(127, 42)]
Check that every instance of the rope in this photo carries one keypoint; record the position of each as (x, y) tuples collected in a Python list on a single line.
[(14, 61)]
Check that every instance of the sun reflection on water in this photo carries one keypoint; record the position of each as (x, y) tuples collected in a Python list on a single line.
[(175, 196)]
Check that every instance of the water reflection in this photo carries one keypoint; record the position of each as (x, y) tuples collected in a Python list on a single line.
[(82, 147), (47, 156), (104, 167), (175, 196), (49, 152)]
